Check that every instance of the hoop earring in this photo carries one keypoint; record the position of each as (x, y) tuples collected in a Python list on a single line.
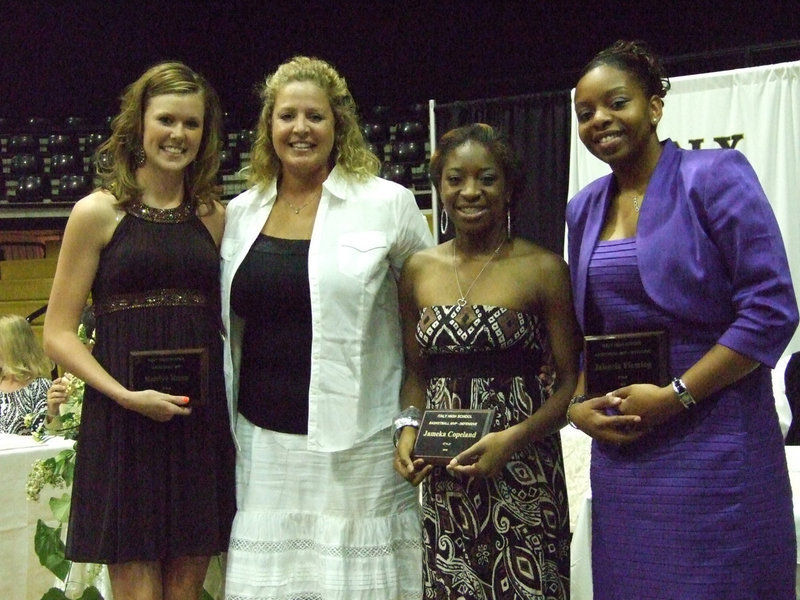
[(444, 222), (139, 157), (508, 222)]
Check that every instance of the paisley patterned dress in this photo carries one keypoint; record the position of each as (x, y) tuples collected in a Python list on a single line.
[(508, 536)]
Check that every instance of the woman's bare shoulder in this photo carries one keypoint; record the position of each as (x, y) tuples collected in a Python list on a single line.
[(100, 205), (429, 258), (94, 218), (528, 250), (538, 264)]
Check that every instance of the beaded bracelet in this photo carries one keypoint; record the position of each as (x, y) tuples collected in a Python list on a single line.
[(408, 417)]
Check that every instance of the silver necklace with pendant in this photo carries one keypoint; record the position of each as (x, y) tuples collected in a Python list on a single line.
[(462, 300)]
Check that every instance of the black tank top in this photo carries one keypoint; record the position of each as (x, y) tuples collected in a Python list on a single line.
[(270, 291)]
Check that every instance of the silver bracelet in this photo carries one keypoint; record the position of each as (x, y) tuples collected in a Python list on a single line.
[(574, 400), (408, 417)]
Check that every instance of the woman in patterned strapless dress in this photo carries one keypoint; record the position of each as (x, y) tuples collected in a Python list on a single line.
[(153, 495), (487, 325)]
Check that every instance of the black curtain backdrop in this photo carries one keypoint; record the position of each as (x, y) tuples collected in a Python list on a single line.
[(538, 127)]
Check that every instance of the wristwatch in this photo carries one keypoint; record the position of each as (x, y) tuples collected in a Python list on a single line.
[(684, 395)]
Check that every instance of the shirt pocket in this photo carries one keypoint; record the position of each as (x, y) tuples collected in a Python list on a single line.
[(228, 248), (361, 253)]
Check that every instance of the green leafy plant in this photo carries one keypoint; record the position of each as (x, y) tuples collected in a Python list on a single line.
[(58, 472)]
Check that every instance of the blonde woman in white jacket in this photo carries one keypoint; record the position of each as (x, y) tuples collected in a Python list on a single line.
[(313, 358)]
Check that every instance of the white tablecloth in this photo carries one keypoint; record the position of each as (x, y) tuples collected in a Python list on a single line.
[(21, 575), (793, 460), (577, 447)]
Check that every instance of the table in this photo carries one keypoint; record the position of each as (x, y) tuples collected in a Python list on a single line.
[(21, 575), (581, 547), (793, 460), (577, 449)]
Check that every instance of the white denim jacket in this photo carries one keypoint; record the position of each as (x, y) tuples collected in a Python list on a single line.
[(363, 232)]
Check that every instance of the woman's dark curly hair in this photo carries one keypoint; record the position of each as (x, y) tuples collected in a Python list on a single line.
[(637, 59), (489, 137)]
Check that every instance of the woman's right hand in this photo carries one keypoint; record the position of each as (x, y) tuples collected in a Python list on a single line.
[(598, 417), (156, 405), (56, 396), (412, 470)]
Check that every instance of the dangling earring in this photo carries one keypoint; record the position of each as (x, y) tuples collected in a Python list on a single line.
[(444, 221), (508, 222), (139, 157)]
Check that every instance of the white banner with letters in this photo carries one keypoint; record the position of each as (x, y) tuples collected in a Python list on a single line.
[(755, 110)]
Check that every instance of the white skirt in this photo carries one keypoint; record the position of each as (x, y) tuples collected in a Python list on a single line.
[(322, 525)]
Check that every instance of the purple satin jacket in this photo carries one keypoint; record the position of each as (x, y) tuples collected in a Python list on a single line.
[(708, 247)]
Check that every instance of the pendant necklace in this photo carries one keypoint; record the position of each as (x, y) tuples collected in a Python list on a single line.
[(297, 209), (462, 300)]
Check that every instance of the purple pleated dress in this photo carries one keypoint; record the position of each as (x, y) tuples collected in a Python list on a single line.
[(701, 508)]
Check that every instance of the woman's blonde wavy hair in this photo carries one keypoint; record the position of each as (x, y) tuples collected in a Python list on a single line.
[(115, 158), (21, 355), (350, 151)]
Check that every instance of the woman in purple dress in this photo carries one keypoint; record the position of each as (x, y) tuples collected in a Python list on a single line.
[(691, 496)]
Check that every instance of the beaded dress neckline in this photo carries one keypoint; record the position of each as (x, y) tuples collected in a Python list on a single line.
[(179, 214)]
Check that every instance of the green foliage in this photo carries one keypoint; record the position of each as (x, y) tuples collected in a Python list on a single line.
[(58, 471), (50, 549), (90, 593), (60, 507)]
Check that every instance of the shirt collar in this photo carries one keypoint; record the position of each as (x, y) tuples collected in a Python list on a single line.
[(335, 185), (269, 195)]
